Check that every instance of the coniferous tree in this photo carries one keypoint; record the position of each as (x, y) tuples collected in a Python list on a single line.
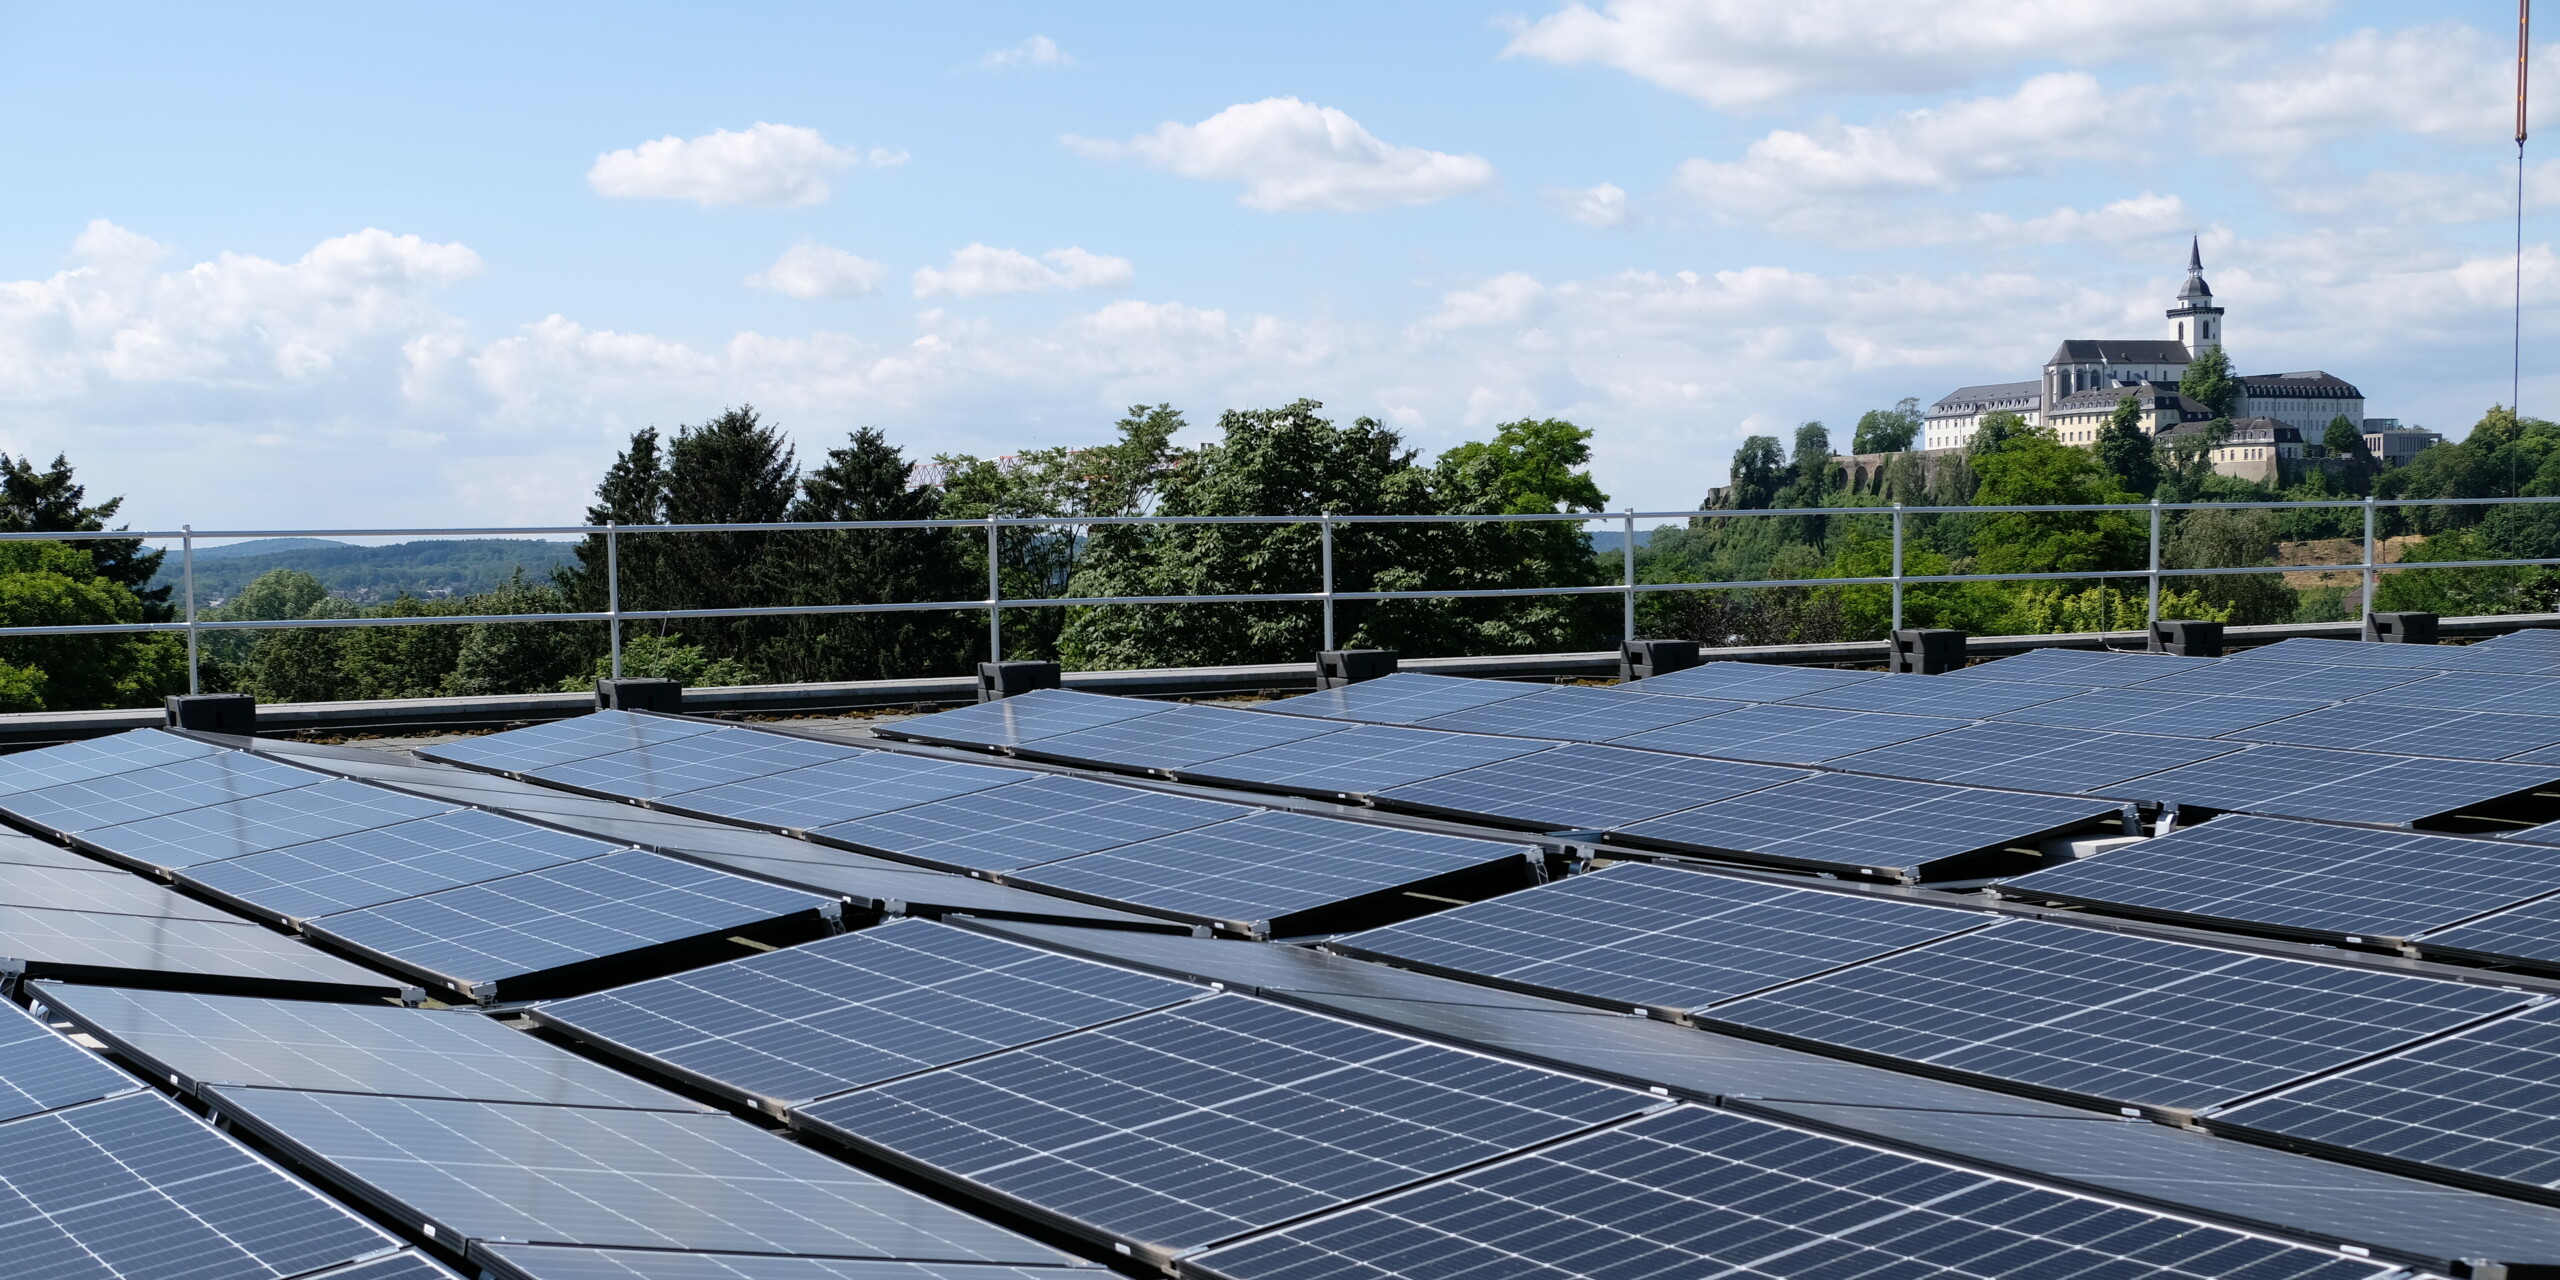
[(869, 479), (2208, 381), (49, 501), (2125, 450)]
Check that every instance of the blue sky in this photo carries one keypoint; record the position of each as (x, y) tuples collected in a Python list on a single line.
[(295, 266)]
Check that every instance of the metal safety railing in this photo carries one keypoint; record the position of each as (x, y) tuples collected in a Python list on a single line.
[(995, 602)]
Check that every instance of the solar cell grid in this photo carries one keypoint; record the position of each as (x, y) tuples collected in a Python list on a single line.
[(2547, 833), (858, 1008), (2033, 757), (2267, 679), (2186, 715), (2347, 653), (1042, 819), (1259, 869), (109, 893), (1636, 934), (82, 761), (1195, 1124), (403, 1265), (1401, 698), (1875, 826), (841, 790), (2112, 1017), (2084, 667), (2518, 660), (472, 938), (197, 836), (41, 1071), (691, 764), (1784, 734), (18, 850), (1582, 786), (561, 741), (73, 807), (2417, 731), (1933, 696), (2474, 691), (553, 1262), (2329, 880), (1178, 737), (1698, 1192), (1749, 681), (2529, 933), (1362, 759), (2350, 786), (404, 860), (1579, 713), (1026, 717), (81, 944)]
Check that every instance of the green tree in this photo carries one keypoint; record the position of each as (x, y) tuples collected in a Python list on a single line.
[(2345, 439), (2231, 539), (516, 657), (2035, 469), (869, 479), (1887, 430), (56, 584), (50, 501), (633, 492), (1759, 471), (1810, 465), (2208, 381), (1994, 433), (2124, 449), (1536, 466)]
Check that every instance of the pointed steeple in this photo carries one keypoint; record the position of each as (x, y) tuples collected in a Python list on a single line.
[(2195, 321), (2196, 287), (2195, 256)]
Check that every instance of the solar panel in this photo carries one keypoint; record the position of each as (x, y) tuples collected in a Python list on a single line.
[(1933, 696), (1041, 819), (197, 836), (2474, 691), (1362, 759), (1749, 681), (2529, 933), (1196, 1124), (691, 764), (1178, 737), (553, 1262), (841, 790), (1874, 826), (97, 758), (2347, 653), (608, 1176), (2084, 667), (2333, 882), (2111, 1018), (2547, 833), (73, 807), (856, 1009), (1579, 713), (193, 1041), (1024, 717), (1579, 786), (2033, 757), (133, 1188), (18, 850), (486, 937), (89, 946), (2350, 786), (2284, 680), (386, 864), (404, 1265), (1256, 870), (107, 892), (1785, 734), (2186, 715), (561, 741), (2416, 731), (1402, 698), (1698, 1192), (2521, 660), (41, 1071), (2478, 1105), (1636, 934)]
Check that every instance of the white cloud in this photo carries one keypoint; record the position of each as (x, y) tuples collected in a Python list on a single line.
[(2447, 80), (764, 164), (1038, 51), (1601, 206), (983, 271), (819, 271), (1747, 53), (1294, 155)]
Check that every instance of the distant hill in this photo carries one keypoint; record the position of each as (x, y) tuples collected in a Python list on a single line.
[(427, 569)]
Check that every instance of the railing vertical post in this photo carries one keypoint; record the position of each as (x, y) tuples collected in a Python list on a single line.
[(1324, 523), (613, 595), (1897, 566), (187, 569), (2368, 553), (1631, 576), (2151, 612), (995, 593)]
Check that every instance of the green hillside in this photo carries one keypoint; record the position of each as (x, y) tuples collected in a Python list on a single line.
[(426, 569)]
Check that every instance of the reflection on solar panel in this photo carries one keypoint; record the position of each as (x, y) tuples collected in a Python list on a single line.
[(2284, 680), (2033, 757), (1635, 934), (1728, 1195), (1579, 786), (2347, 653), (2478, 1105), (404, 1265), (561, 741), (1402, 698), (481, 938), (81, 761), (2299, 876), (1749, 681), (1195, 1124), (840, 791), (18, 850), (72, 807), (2187, 715), (1178, 737), (2547, 833), (1026, 717), (1042, 819), (1254, 871), (86, 946), (608, 1176), (2110, 1017), (1784, 734), (2475, 691), (1362, 759), (133, 1188), (1933, 696), (691, 764), (2351, 786), (2416, 731), (856, 1009), (2528, 933), (402, 860), (2087, 668), (259, 823), (193, 1041), (555, 1262), (1579, 713), (1874, 826), (41, 1071), (2519, 660), (107, 892)]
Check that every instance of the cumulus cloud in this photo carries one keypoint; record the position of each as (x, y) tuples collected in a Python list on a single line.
[(809, 270), (984, 271), (764, 164), (1746, 53), (1601, 206), (2445, 80), (1294, 155), (1038, 51)]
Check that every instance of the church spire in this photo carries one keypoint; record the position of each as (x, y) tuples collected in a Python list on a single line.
[(2195, 321), (2195, 256)]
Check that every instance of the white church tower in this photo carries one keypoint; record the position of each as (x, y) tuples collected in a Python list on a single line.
[(2195, 321)]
